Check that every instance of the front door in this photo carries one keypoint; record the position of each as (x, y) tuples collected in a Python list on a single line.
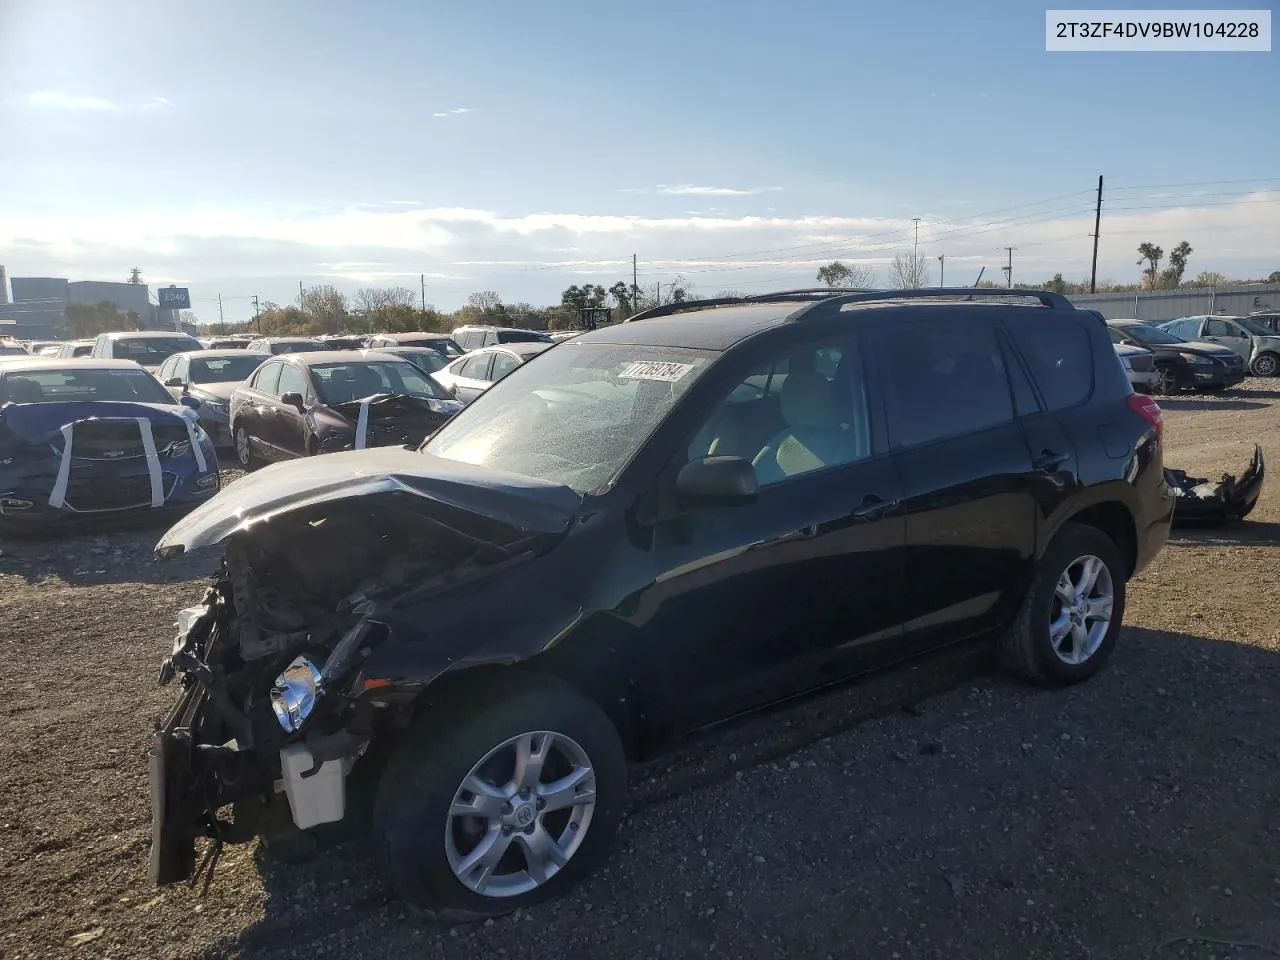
[(966, 474), (1230, 335), (472, 378), (755, 602), (290, 429)]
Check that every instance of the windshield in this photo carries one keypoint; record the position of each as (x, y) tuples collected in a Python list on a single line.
[(224, 369), (1148, 334), (151, 351), (443, 344), (304, 346), (52, 386), (344, 382), (575, 415), (422, 358)]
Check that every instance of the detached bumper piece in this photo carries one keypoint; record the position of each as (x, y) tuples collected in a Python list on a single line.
[(1202, 502)]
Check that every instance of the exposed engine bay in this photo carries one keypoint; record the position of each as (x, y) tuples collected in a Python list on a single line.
[(1203, 502), (275, 706)]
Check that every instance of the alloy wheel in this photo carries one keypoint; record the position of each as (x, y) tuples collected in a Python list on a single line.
[(1083, 601), (1167, 381), (244, 449), (1265, 365), (520, 814)]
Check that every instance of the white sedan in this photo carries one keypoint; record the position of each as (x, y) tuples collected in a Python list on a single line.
[(471, 375)]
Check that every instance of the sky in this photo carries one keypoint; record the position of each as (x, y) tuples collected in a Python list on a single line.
[(240, 147)]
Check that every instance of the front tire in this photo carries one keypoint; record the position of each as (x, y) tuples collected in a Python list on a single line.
[(1068, 623), (1265, 365), (1169, 381), (491, 806)]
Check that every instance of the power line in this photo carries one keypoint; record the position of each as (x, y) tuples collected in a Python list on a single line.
[(1193, 183)]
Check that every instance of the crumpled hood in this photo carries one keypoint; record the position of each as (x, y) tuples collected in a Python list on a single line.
[(217, 391), (394, 406), (533, 505), (1203, 346), (40, 422)]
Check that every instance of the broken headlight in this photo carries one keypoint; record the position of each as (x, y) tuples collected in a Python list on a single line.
[(293, 696)]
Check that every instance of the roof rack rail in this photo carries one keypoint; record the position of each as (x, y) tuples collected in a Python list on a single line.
[(1047, 298), (780, 296)]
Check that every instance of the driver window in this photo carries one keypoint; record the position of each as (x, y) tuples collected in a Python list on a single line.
[(503, 363), (1218, 328), (291, 381), (477, 368), (804, 409)]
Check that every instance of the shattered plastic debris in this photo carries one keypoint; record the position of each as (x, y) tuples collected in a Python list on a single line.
[(1200, 501)]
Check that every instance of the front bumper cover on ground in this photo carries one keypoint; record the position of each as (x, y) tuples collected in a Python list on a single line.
[(1201, 502)]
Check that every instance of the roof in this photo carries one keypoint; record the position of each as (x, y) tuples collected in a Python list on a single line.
[(311, 357), (67, 363), (521, 348), (125, 334), (287, 339), (419, 335), (713, 328), (218, 354)]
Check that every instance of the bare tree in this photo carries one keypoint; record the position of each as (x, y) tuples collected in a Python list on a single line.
[(327, 307), (840, 274), (371, 299), (909, 271), (485, 301)]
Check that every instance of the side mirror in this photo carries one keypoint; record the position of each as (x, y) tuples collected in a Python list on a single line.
[(293, 400), (175, 382), (189, 401), (722, 481)]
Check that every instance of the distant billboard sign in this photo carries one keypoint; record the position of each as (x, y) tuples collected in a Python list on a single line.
[(174, 298)]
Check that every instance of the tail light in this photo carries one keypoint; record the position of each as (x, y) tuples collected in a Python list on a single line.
[(1148, 410)]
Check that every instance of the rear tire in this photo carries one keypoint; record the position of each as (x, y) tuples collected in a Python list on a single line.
[(245, 456), (423, 842), (1053, 642)]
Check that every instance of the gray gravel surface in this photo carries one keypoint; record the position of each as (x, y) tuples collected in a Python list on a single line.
[(940, 810)]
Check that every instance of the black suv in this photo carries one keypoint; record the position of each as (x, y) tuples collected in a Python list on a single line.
[(650, 528)]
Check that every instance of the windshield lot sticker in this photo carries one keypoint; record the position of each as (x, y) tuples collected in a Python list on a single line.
[(653, 370)]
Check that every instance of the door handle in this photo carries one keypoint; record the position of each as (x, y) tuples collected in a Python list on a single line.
[(1049, 461), (872, 507)]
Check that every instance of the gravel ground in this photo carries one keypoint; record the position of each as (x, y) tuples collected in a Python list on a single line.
[(941, 810)]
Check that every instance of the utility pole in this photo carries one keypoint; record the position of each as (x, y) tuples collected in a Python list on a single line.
[(422, 279), (915, 243), (1008, 271), (635, 287), (1097, 225), (658, 298), (220, 320), (942, 269), (302, 300), (257, 321)]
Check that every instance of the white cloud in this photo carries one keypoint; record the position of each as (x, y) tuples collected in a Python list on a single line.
[(454, 112), (155, 102), (529, 256), (53, 100), (693, 190)]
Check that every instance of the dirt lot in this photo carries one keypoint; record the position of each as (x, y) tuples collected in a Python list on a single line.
[(942, 811)]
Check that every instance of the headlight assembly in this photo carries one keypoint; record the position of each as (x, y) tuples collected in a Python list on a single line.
[(1196, 360), (293, 696)]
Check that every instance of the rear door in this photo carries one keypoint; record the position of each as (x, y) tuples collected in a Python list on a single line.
[(255, 410), (966, 473)]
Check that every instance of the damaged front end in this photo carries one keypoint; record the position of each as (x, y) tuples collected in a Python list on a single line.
[(1202, 502), (277, 706)]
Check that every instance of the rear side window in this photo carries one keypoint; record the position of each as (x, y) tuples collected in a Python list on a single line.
[(520, 336), (1058, 355), (477, 368), (944, 378), (268, 377)]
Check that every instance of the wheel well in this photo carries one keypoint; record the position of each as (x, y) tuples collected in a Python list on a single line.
[(459, 688), (1115, 520)]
